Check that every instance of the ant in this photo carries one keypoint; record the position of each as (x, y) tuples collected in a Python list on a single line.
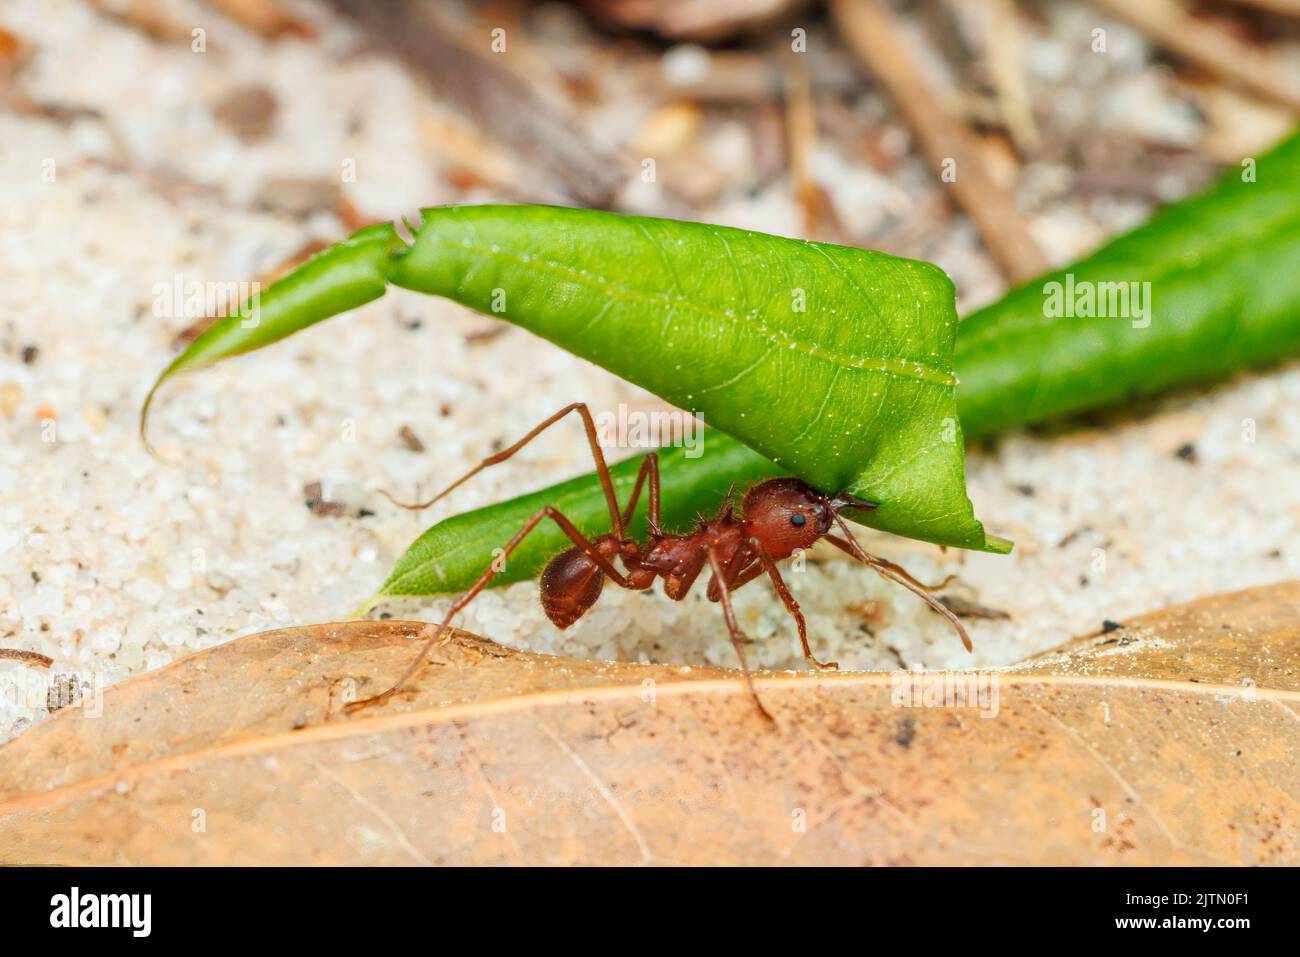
[(777, 518)]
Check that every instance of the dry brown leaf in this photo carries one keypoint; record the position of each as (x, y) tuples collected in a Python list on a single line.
[(1170, 740)]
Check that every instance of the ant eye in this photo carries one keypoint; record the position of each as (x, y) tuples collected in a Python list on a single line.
[(798, 519)]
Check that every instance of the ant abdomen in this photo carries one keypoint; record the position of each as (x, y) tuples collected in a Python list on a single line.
[(570, 584)]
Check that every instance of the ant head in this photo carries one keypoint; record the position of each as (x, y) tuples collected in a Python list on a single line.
[(786, 514)]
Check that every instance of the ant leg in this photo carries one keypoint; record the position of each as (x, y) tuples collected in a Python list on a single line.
[(650, 468), (737, 639), (677, 588), (887, 569), (791, 605), (436, 638), (615, 518), (762, 562), (742, 569), (900, 570)]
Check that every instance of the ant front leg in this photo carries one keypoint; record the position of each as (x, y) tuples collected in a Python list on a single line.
[(792, 606), (737, 638), (489, 573), (617, 523), (741, 569), (895, 573)]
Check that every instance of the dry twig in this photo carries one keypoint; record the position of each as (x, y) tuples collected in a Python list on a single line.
[(1290, 8), (819, 217), (869, 30), (501, 103), (33, 658), (1169, 26), (266, 18), (1003, 54)]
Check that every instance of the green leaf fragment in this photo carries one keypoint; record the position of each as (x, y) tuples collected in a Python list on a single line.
[(834, 363), (345, 276)]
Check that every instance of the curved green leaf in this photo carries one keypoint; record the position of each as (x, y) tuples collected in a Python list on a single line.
[(340, 278), (835, 363), (1218, 287)]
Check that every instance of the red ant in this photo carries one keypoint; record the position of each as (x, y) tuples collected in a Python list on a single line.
[(777, 518)]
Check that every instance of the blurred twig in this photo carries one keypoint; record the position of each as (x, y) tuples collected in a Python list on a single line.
[(1288, 7), (502, 104), (869, 30), (705, 21), (1168, 25), (34, 658), (153, 21), (267, 18), (819, 217), (726, 77), (1002, 52)]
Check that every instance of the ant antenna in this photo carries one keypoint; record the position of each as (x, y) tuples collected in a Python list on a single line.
[(845, 500), (418, 506), (894, 573), (414, 506)]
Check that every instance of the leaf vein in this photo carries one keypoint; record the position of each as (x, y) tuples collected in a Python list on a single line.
[(911, 369)]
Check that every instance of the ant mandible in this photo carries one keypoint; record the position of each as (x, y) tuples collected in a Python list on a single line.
[(777, 518)]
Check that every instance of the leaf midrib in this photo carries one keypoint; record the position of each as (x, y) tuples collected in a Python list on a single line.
[(907, 369)]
